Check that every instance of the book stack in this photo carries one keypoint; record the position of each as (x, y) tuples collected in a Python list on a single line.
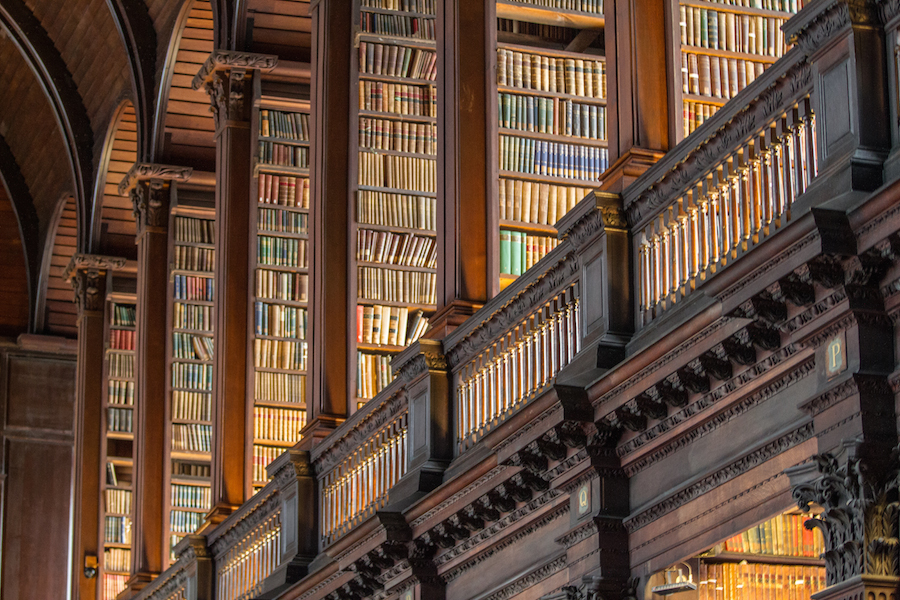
[(396, 191), (784, 535), (118, 444), (748, 581), (278, 425), (280, 326), (551, 122), (192, 351), (724, 47)]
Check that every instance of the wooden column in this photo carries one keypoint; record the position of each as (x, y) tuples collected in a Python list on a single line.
[(637, 37), (331, 383), (467, 246), (88, 275), (150, 188), (226, 76)]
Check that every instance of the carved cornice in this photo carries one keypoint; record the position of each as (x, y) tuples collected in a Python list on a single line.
[(220, 60), (824, 401), (389, 410), (533, 578), (428, 358), (720, 477), (150, 204), (887, 10), (259, 512), (579, 534), (760, 111), (829, 22), (142, 171), (513, 311), (447, 503), (97, 262), (87, 275)]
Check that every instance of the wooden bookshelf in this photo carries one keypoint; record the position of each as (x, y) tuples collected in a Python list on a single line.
[(279, 323), (722, 48), (395, 197), (190, 372), (550, 125), (118, 442)]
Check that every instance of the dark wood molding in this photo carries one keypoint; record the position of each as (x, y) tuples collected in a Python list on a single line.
[(51, 71)]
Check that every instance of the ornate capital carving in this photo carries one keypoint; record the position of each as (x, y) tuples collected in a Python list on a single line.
[(860, 518), (150, 200), (87, 274), (229, 59), (141, 171), (224, 77), (423, 356)]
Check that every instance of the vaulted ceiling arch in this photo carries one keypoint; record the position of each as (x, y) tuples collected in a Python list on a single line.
[(56, 312)]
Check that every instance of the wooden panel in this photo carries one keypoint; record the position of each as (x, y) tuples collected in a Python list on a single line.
[(13, 273), (40, 393)]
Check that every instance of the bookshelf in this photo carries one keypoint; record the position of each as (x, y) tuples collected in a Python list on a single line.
[(280, 257), (394, 199), (551, 121), (723, 47), (118, 443), (190, 382), (778, 559)]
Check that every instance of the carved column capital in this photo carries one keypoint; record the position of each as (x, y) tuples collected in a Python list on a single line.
[(224, 77), (857, 490), (150, 201), (87, 274)]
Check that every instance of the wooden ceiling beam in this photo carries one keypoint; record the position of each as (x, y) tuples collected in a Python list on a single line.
[(51, 72), (27, 219)]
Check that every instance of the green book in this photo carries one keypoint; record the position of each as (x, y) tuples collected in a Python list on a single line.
[(516, 252), (505, 251), (704, 28)]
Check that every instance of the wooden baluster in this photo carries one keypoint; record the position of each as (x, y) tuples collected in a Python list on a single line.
[(754, 192), (809, 140), (644, 251), (706, 237), (693, 247), (738, 212), (720, 189)]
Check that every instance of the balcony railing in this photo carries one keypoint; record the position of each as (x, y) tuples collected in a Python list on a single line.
[(729, 186), (189, 578)]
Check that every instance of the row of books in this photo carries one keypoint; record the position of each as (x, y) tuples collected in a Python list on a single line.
[(547, 33), (578, 77), (389, 325), (119, 420), (589, 6), (554, 116), (120, 392), (420, 6), (520, 251), (373, 374), (396, 210), (280, 285), (717, 76), (283, 155), (121, 365), (278, 424), (402, 172), (117, 560), (118, 501), (283, 190), (277, 320), (262, 456), (198, 317), (114, 584), (556, 159), (279, 354), (758, 582), (391, 285), (397, 61), (117, 530), (191, 406), (191, 437), (192, 376), (192, 258), (195, 231), (398, 98), (192, 346), (112, 476), (534, 202), (721, 30), (400, 136), (696, 114), (399, 25), (279, 387), (785, 535), (191, 287), (281, 252), (283, 221), (790, 6), (190, 469), (186, 521), (123, 315), (403, 249), (121, 339), (287, 125), (191, 496)]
